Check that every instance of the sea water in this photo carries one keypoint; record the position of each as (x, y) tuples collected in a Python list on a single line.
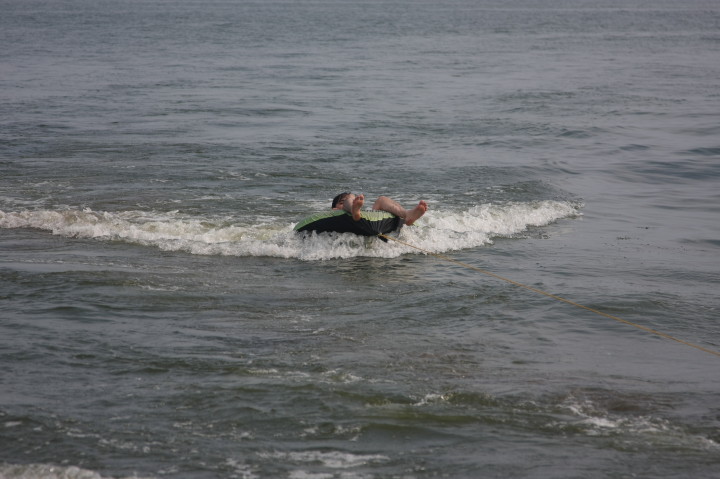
[(160, 318)]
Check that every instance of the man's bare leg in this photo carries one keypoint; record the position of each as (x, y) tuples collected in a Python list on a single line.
[(414, 214), (383, 203), (353, 204)]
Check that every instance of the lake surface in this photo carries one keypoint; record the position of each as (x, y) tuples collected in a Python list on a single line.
[(160, 318)]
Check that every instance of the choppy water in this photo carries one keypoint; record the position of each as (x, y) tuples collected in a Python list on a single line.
[(161, 319)]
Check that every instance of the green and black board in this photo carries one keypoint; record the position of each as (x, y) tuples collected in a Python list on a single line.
[(371, 223)]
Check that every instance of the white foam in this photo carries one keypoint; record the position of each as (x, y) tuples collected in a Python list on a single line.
[(241, 470), (329, 459), (643, 428), (432, 399), (46, 471), (437, 231)]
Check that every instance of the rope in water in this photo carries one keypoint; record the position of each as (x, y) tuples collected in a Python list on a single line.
[(550, 295)]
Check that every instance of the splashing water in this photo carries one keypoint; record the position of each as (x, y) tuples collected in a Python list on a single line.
[(437, 231)]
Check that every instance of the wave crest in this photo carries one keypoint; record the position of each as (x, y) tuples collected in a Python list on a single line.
[(437, 231)]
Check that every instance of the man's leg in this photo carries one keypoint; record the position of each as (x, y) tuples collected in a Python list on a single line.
[(383, 203), (353, 204)]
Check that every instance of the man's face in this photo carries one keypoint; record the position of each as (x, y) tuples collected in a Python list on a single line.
[(343, 200)]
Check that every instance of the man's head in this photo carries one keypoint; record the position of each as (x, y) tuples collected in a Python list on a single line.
[(338, 201)]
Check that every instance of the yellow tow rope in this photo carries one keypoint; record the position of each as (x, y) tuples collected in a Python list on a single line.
[(535, 290)]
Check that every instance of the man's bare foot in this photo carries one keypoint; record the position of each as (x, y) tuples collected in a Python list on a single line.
[(357, 204), (414, 214)]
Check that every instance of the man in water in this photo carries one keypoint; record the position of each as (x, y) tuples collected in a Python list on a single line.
[(353, 204)]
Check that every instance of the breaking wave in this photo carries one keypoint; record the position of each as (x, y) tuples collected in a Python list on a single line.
[(438, 231)]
